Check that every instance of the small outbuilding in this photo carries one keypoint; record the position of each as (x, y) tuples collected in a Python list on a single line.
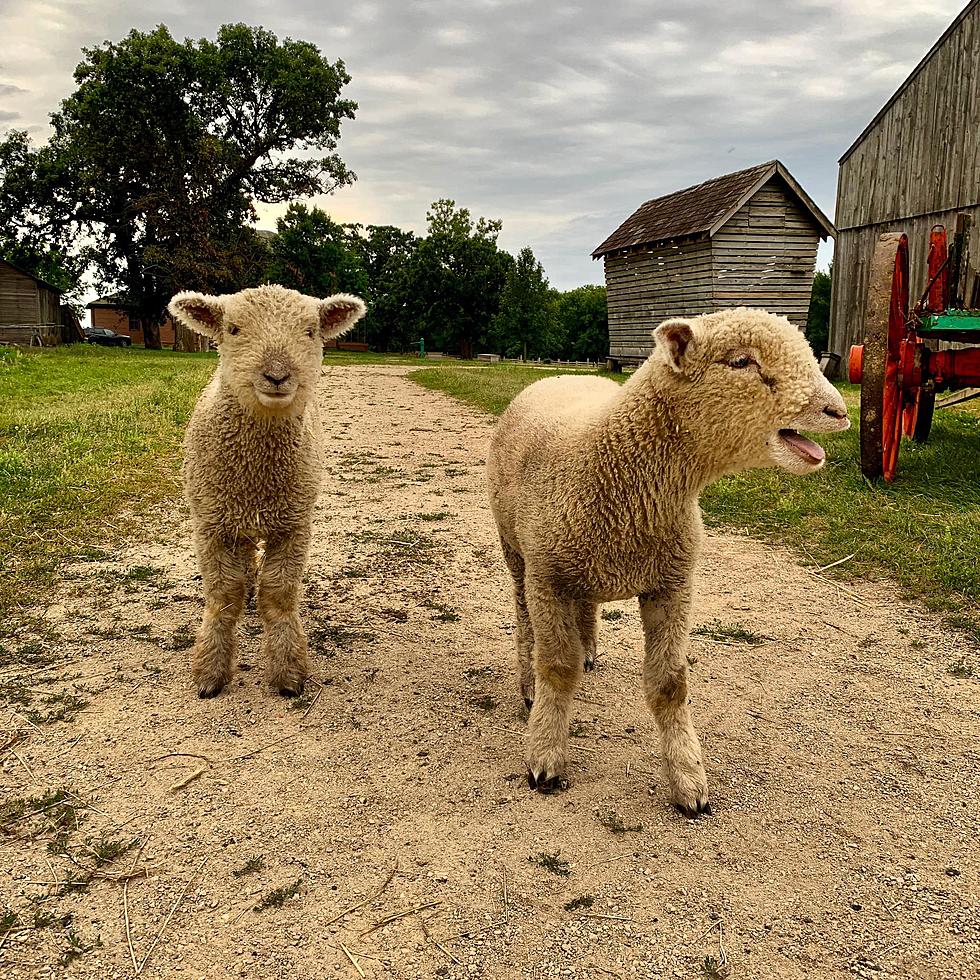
[(748, 238), (109, 312), (30, 309)]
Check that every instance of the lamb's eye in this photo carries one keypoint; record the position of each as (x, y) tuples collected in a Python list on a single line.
[(742, 361), (233, 331)]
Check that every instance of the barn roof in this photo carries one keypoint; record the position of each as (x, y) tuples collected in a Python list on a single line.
[(703, 209), (915, 71), (37, 279)]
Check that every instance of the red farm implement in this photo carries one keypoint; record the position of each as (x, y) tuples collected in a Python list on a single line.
[(899, 373)]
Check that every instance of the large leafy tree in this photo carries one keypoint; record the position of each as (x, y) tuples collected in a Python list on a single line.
[(157, 157), (455, 278), (818, 318), (312, 253), (522, 326), (581, 323), (387, 255)]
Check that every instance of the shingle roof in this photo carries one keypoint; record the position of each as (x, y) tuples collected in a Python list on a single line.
[(702, 209)]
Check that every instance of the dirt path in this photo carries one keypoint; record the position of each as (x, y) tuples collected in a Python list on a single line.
[(843, 759)]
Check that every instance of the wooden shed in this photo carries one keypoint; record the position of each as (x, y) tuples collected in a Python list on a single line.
[(748, 238), (917, 164), (30, 308)]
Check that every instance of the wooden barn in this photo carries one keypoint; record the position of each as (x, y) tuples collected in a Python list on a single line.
[(917, 164), (745, 239), (30, 309)]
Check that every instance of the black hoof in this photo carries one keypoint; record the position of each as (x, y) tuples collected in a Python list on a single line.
[(546, 784), (589, 665), (702, 810), (209, 692), (291, 692), (529, 703)]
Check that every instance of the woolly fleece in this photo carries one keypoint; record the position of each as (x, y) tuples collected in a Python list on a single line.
[(252, 468), (594, 488)]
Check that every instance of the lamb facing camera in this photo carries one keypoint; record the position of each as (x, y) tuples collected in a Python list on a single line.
[(594, 488), (252, 469)]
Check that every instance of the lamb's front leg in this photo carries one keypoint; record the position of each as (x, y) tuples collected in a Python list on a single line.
[(284, 639), (558, 661), (224, 570), (665, 627)]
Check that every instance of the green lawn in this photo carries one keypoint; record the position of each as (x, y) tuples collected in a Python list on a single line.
[(923, 531), (89, 442)]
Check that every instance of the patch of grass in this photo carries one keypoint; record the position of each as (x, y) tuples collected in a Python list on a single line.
[(552, 863), (444, 613), (182, 638), (611, 615), (729, 633), (141, 573), (582, 902), (615, 824), (326, 638), (713, 969), (483, 701), (923, 530), (441, 515), (89, 444), (63, 707), (278, 896), (961, 669), (252, 865)]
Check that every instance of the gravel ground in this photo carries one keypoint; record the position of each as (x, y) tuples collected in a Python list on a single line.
[(381, 826)]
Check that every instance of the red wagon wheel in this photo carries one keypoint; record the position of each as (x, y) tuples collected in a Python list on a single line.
[(886, 316)]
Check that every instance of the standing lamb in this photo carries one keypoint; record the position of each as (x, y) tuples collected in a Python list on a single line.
[(595, 488), (252, 468)]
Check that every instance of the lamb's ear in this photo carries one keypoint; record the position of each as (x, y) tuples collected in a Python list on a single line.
[(339, 313), (675, 338), (200, 313)]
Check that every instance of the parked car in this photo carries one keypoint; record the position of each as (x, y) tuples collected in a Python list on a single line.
[(106, 337)]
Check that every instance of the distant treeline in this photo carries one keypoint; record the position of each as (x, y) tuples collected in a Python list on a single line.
[(454, 287)]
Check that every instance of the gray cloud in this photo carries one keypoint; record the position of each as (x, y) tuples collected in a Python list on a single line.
[(560, 121)]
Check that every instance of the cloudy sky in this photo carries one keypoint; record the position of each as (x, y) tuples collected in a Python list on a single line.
[(559, 118)]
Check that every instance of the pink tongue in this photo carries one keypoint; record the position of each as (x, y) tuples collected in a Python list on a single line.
[(805, 447)]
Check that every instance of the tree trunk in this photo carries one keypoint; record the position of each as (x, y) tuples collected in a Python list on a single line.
[(151, 334), (187, 341)]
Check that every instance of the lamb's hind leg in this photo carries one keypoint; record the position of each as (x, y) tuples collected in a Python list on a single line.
[(587, 628), (558, 662), (665, 627), (284, 639), (525, 632), (224, 570)]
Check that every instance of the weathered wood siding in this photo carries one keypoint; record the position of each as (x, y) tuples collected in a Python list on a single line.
[(917, 166), (764, 255), (24, 300), (31, 334), (18, 297), (648, 285)]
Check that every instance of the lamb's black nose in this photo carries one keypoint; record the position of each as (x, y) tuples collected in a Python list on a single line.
[(272, 379)]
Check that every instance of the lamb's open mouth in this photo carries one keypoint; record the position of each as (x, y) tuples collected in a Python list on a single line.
[(805, 448)]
